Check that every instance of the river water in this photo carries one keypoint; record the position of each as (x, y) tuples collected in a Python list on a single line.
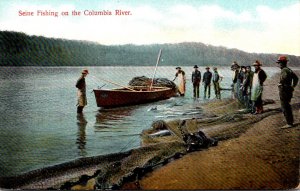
[(39, 126)]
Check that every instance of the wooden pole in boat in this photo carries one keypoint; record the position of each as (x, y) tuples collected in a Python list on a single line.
[(158, 58), (114, 83)]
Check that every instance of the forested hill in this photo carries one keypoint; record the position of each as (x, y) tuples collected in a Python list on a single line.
[(19, 49)]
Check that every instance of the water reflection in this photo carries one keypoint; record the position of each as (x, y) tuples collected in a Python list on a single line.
[(81, 134), (106, 118)]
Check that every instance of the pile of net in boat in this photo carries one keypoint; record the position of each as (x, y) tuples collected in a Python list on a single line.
[(145, 81)]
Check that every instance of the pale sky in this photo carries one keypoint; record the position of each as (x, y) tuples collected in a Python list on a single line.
[(261, 26)]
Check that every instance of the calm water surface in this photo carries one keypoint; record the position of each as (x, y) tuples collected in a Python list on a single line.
[(39, 126)]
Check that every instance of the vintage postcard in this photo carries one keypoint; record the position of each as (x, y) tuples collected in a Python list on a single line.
[(149, 95)]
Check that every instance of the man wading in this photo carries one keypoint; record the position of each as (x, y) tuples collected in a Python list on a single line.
[(206, 82), (181, 80), (217, 78), (288, 81), (82, 101), (196, 79)]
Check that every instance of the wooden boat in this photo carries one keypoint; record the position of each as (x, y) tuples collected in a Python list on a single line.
[(133, 96)]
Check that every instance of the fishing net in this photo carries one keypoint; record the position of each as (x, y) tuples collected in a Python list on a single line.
[(145, 81)]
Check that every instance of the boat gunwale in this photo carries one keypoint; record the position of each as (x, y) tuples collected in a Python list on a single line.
[(158, 89)]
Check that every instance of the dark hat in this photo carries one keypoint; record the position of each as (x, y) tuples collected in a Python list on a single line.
[(195, 66), (207, 67), (256, 63), (283, 59), (243, 66), (85, 71), (178, 68), (215, 68), (248, 67)]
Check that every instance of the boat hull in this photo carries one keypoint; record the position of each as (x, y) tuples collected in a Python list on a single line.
[(124, 97)]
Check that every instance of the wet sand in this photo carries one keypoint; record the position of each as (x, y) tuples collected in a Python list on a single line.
[(255, 153)]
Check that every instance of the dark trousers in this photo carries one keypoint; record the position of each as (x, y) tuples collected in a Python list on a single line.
[(196, 90), (258, 105), (239, 92), (286, 94), (206, 87), (79, 109)]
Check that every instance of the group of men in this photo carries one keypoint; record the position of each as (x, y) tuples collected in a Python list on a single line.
[(207, 78), (247, 86)]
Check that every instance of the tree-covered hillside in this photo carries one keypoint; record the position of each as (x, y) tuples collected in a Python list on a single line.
[(19, 49)]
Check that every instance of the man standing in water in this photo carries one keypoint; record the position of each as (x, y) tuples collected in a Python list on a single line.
[(207, 81), (217, 78), (288, 81), (196, 79), (82, 101), (181, 80), (259, 78)]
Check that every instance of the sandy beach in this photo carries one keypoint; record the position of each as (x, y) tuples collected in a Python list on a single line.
[(253, 152)]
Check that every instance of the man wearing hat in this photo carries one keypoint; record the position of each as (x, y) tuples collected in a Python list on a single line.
[(259, 78), (235, 67), (181, 80), (217, 78), (206, 81), (80, 84), (196, 79), (288, 81), (240, 79), (246, 88)]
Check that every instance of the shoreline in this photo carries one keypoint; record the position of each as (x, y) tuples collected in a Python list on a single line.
[(253, 152), (218, 123)]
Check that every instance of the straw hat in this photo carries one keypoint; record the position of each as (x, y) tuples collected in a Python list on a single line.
[(256, 63), (85, 71), (282, 59), (234, 63)]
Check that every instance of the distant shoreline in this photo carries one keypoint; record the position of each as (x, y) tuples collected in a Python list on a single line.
[(22, 49)]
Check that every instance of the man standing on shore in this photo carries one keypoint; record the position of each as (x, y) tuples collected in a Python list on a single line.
[(239, 83), (259, 78), (207, 81), (235, 72), (196, 79), (288, 81), (246, 88), (217, 78), (81, 93)]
